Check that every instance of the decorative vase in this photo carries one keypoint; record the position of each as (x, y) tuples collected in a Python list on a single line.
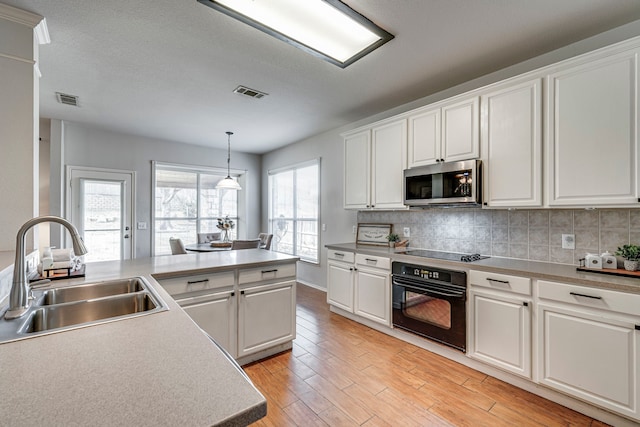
[(630, 265), (392, 244), (225, 236)]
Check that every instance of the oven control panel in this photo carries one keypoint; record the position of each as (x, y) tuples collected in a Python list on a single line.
[(425, 273)]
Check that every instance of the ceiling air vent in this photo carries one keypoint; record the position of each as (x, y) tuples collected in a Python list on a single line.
[(243, 90), (64, 98)]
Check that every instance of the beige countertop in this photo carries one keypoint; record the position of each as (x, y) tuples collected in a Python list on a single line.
[(537, 270), (157, 369)]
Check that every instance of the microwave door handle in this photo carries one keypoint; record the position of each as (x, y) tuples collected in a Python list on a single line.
[(427, 291)]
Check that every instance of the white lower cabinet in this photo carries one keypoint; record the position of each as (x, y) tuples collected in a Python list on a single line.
[(373, 290), (216, 315), (340, 278), (266, 316), (589, 345), (360, 284), (500, 321), (247, 311)]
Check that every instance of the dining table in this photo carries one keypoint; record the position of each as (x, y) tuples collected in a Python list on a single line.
[(205, 247)]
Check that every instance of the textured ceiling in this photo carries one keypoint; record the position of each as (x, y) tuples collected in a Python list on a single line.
[(167, 68)]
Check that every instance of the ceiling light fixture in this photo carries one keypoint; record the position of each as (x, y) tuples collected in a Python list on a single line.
[(228, 183), (328, 29)]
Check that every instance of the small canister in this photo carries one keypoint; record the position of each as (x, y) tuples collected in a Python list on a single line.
[(609, 260), (593, 261)]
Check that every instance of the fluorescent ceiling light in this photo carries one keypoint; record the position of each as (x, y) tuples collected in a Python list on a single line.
[(325, 28)]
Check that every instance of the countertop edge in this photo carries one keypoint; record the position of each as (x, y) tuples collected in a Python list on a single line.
[(533, 269)]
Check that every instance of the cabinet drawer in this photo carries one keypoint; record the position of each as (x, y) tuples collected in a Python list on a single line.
[(621, 302), (268, 272), (502, 282), (340, 255), (373, 261), (198, 282)]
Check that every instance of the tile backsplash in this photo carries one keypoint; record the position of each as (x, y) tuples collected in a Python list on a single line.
[(534, 234)]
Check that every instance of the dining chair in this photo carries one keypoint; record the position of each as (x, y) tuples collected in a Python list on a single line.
[(265, 240), (177, 247), (208, 237), (245, 244)]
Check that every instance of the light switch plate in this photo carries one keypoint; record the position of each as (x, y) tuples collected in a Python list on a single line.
[(568, 241), (142, 225)]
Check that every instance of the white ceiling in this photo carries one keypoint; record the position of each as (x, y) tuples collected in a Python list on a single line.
[(167, 68)]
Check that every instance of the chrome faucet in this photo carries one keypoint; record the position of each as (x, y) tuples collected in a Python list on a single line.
[(19, 296)]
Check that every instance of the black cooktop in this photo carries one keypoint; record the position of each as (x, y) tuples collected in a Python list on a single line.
[(449, 256)]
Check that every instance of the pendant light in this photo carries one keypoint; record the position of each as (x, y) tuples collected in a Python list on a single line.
[(228, 183)]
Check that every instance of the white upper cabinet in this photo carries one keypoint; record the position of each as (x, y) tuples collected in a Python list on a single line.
[(389, 160), (511, 135), (444, 132), (357, 164), (424, 137), (461, 130), (375, 159), (593, 133)]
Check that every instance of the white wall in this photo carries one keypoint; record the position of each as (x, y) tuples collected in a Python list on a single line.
[(18, 125), (329, 145), (93, 147)]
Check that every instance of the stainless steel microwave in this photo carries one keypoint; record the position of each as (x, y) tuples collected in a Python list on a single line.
[(452, 183)]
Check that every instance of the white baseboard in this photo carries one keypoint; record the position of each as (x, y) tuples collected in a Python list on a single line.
[(312, 285)]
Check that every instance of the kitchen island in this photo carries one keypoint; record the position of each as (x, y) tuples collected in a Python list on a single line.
[(156, 369)]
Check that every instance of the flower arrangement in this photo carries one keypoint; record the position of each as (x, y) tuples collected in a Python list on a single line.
[(225, 224)]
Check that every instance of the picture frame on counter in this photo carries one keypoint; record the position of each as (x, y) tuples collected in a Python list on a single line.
[(373, 234)]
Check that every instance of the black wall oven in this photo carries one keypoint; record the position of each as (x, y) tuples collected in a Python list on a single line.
[(431, 302)]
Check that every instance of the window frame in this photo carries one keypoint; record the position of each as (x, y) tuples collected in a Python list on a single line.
[(294, 167), (198, 170)]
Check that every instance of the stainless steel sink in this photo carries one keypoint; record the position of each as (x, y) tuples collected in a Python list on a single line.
[(93, 290), (61, 309), (78, 313)]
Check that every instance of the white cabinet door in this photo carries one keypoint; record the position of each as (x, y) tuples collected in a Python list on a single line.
[(340, 278), (512, 145), (424, 138), (216, 315), (357, 175), (590, 356), (593, 132), (500, 328), (389, 160), (461, 130), (373, 295), (266, 316)]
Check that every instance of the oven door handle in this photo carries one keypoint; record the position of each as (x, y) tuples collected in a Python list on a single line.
[(453, 294)]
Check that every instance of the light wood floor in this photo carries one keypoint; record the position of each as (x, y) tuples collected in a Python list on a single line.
[(342, 373)]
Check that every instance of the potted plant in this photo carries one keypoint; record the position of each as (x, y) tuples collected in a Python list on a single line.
[(393, 238), (631, 255)]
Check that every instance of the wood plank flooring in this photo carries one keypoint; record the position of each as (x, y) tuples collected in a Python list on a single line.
[(342, 373)]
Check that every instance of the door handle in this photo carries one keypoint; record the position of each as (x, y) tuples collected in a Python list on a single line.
[(126, 236)]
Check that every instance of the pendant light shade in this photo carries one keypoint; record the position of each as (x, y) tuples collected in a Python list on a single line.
[(228, 183)]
